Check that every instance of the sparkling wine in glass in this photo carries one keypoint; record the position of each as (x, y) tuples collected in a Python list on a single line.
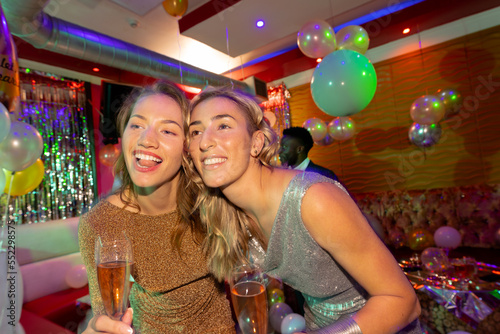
[(114, 263), (249, 298)]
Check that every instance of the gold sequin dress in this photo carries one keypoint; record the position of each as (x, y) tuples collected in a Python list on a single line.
[(172, 293)]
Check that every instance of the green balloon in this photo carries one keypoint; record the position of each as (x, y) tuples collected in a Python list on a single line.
[(343, 83)]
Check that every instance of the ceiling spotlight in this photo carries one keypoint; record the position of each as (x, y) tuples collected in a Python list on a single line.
[(95, 69), (407, 30), (318, 60), (260, 23)]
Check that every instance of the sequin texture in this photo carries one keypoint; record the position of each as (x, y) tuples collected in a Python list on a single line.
[(295, 256), (172, 293)]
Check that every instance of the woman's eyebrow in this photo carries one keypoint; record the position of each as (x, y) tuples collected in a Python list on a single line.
[(216, 117), (164, 121)]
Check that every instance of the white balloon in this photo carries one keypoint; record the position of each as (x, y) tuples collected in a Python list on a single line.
[(76, 276), (293, 323)]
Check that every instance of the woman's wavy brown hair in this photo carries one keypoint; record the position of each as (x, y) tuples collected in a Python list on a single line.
[(228, 227), (186, 191)]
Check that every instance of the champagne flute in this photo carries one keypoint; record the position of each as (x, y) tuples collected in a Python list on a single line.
[(248, 294), (114, 263)]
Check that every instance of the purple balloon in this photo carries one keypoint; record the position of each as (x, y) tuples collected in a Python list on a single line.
[(293, 323), (21, 148), (447, 237), (277, 312)]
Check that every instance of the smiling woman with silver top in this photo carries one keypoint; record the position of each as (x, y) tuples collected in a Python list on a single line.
[(301, 226), (173, 290)]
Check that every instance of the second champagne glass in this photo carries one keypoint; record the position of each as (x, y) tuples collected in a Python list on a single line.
[(114, 263), (248, 294)]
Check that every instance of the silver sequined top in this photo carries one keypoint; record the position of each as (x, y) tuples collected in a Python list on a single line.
[(295, 257)]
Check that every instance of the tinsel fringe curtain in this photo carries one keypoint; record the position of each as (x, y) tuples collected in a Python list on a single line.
[(278, 106), (56, 108)]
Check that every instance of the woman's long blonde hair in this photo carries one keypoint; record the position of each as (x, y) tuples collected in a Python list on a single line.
[(186, 191), (228, 227)]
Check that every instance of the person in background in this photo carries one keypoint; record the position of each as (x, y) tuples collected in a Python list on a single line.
[(173, 291), (303, 227), (295, 146)]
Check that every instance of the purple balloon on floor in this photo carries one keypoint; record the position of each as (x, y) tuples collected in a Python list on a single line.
[(447, 237), (277, 312)]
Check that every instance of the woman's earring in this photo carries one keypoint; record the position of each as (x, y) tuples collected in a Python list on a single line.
[(255, 152)]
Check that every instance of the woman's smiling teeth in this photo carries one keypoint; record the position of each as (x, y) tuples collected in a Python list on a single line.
[(213, 161), (145, 160)]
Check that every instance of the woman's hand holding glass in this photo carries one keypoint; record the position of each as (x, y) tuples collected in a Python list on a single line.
[(114, 265), (104, 324), (248, 294)]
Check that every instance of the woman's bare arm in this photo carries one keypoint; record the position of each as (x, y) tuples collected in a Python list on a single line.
[(337, 225)]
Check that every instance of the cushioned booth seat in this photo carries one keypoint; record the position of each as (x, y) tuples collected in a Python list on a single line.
[(45, 252)]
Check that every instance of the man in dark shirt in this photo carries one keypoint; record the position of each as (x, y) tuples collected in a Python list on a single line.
[(295, 146)]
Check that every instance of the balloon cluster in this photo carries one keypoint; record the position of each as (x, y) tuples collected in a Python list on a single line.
[(435, 259), (323, 133), (427, 111), (21, 146), (344, 82), (445, 237), (281, 316), (316, 39)]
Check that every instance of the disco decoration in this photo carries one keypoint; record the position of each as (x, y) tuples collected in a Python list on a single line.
[(55, 107), (277, 105)]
